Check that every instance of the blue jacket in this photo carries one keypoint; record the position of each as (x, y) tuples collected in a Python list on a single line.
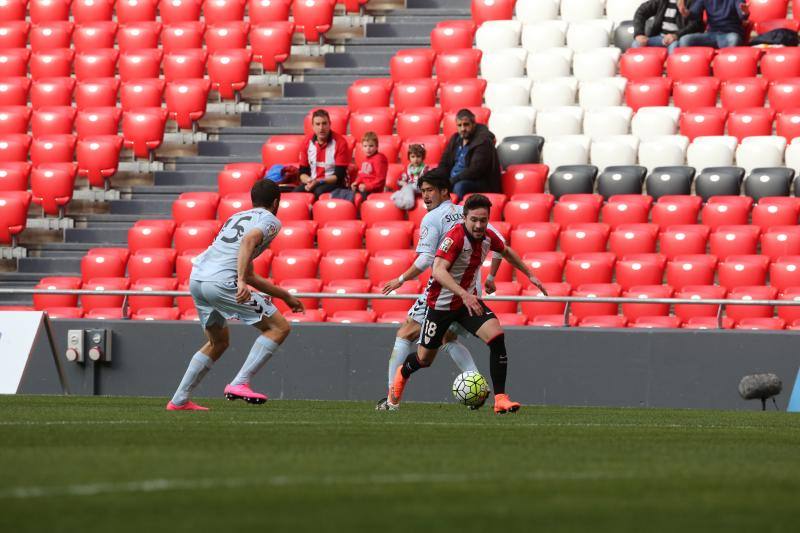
[(724, 16)]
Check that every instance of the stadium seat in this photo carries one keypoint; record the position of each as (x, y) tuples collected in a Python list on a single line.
[(263, 11), (176, 11), (222, 36), (14, 90), (300, 285), (164, 304), (505, 288), (313, 18), (780, 63), (294, 235), (626, 209), (761, 323), (766, 10), (419, 121), (384, 307), (458, 94), (44, 36), (139, 64), (412, 93), (96, 93), (44, 301), (510, 92), (98, 158), (51, 63), (547, 266), (290, 264), (572, 179), (197, 234), (340, 235), (96, 302), (656, 322), (232, 204), (51, 92), (14, 176), (456, 65), (345, 286), (648, 92), (708, 322), (143, 235), (683, 239), (128, 11), (84, 11), (527, 209), (282, 151), (719, 181), (597, 64), (686, 312), (445, 37), (137, 94), (524, 179), (271, 43), (179, 36), (216, 11), (13, 215), (186, 101), (669, 181), (504, 273), (343, 264), (554, 92), (523, 149), (184, 64), (689, 62), (584, 238), (486, 10), (353, 317), (52, 149), (195, 206), (14, 62), (533, 310), (581, 269), (389, 264), (628, 239), (739, 312), (138, 35), (601, 93), (728, 241), (750, 122), (534, 237), (15, 119), (686, 270), (775, 211), (639, 269), (13, 10), (333, 210), (577, 208), (641, 63), (703, 122), (743, 93), (664, 151), (152, 263), (228, 71), (390, 235), (671, 210), (791, 314), (736, 62), (582, 310), (726, 210), (779, 241), (184, 264), (103, 263), (14, 147), (368, 93), (157, 313), (635, 311), (99, 63), (530, 11), (497, 35), (379, 120), (94, 121), (695, 93), (48, 10), (500, 65), (143, 130), (768, 182)]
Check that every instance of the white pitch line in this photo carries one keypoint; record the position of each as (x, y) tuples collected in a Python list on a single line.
[(164, 485)]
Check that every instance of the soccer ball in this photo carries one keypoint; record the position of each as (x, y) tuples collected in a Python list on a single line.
[(470, 389)]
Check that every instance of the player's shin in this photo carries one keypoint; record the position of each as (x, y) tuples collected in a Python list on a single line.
[(411, 365), (261, 352), (498, 363), (401, 348), (460, 355), (198, 368)]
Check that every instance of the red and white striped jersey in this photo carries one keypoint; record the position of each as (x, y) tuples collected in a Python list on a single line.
[(323, 159), (466, 256)]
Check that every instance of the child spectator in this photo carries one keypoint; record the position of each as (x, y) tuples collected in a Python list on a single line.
[(372, 174), (405, 197)]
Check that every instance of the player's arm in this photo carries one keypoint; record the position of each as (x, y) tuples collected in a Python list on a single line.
[(489, 284), (420, 265), (267, 287), (250, 241), (511, 256), (441, 273)]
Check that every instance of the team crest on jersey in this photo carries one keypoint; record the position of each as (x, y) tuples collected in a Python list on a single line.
[(272, 230), (423, 232), (446, 244)]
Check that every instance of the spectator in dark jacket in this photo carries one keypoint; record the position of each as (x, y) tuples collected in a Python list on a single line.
[(470, 159), (668, 24), (726, 21)]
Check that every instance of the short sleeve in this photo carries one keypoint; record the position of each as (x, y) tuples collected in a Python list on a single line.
[(497, 244), (341, 157), (429, 237), (451, 246), (269, 226), (304, 154)]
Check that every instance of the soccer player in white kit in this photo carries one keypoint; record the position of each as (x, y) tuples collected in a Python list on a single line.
[(219, 286), (441, 217)]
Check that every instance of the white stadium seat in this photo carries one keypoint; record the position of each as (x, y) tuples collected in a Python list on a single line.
[(511, 121), (538, 36), (620, 10), (554, 92), (566, 150), (596, 64), (606, 121), (549, 64), (651, 122), (614, 150), (667, 150), (496, 35), (536, 10), (711, 151), (760, 151), (793, 154), (559, 121), (588, 35), (506, 93), (579, 10), (604, 92), (503, 64)]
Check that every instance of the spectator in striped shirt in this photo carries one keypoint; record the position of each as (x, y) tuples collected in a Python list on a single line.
[(324, 157), (669, 25)]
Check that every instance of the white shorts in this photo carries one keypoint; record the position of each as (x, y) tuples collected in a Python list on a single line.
[(420, 307), (216, 303)]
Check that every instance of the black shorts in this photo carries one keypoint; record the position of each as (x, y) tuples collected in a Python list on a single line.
[(437, 323)]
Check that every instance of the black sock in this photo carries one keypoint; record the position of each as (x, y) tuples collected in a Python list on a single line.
[(411, 365), (498, 363)]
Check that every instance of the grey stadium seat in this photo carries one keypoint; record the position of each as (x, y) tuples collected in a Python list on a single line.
[(768, 181), (627, 179), (719, 181), (520, 150), (623, 35), (572, 179), (664, 181)]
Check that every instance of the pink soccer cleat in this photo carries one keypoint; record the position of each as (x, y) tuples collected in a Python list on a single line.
[(188, 406), (244, 392)]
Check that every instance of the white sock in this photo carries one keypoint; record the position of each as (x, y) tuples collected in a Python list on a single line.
[(460, 355), (402, 348), (260, 353), (198, 368)]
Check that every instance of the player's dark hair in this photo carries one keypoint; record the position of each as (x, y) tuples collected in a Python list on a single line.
[(435, 182), (320, 113), (477, 201), (264, 193), (465, 114)]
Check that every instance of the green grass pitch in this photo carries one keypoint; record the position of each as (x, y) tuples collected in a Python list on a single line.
[(124, 464)]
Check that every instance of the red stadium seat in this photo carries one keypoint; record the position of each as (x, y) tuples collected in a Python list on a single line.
[(13, 215), (223, 36), (483, 10), (313, 18), (56, 120), (683, 239), (412, 64), (547, 266), (195, 206), (184, 64), (271, 43), (339, 117), (775, 24), (343, 264), (232, 204), (523, 179), (14, 62), (294, 235), (52, 149), (598, 290), (780, 63), (144, 235), (14, 90), (379, 120), (52, 185), (686, 312), (48, 10), (137, 94), (353, 317), (101, 284), (419, 121), (736, 62), (184, 264), (450, 37), (13, 10), (64, 312), (368, 93), (52, 92), (291, 264), (644, 292), (537, 309), (787, 124), (765, 10), (300, 285), (751, 122), (310, 315), (186, 101), (686, 270), (389, 264), (534, 237), (779, 241), (603, 321), (391, 235), (639, 269), (775, 211), (104, 263), (784, 94), (262, 263), (641, 63), (761, 323), (140, 64), (84, 11), (43, 301), (689, 62), (98, 158), (340, 235), (241, 181), (628, 239), (703, 121), (229, 71), (458, 64), (152, 263), (99, 63), (647, 93), (282, 150), (456, 95), (734, 240), (96, 93), (143, 130), (52, 63), (791, 314), (504, 273), (150, 284), (293, 205), (374, 211), (333, 210), (577, 209), (156, 313), (50, 35), (173, 11), (626, 209), (139, 35), (584, 238), (345, 286), (14, 176), (14, 119), (505, 288), (726, 211), (656, 322), (785, 272), (553, 321), (264, 11), (96, 121), (743, 93), (581, 269), (135, 10), (197, 234), (671, 210), (14, 147), (216, 11), (414, 93), (743, 270), (179, 36), (695, 93), (13, 33), (760, 292)]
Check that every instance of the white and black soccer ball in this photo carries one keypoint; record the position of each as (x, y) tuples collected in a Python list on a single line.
[(471, 389)]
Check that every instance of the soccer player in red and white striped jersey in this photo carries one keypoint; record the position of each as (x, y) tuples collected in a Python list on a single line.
[(453, 297)]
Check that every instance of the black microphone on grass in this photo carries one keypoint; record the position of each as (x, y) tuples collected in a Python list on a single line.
[(762, 387)]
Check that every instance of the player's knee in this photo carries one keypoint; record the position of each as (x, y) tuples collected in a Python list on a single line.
[(281, 329), (219, 345), (408, 331)]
